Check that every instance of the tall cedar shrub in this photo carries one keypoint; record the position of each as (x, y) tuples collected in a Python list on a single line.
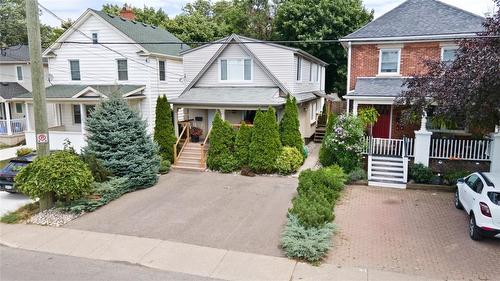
[(117, 136), (266, 145), (221, 150), (242, 146), (323, 153), (289, 126), (164, 133)]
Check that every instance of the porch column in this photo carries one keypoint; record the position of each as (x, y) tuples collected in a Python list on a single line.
[(348, 105), (7, 118), (390, 122), (27, 116), (83, 114), (176, 121), (422, 143), (495, 152), (223, 114), (355, 108)]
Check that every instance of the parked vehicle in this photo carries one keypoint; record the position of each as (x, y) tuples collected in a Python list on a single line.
[(8, 173), (479, 195)]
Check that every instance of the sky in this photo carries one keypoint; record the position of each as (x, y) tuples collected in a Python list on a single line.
[(72, 9)]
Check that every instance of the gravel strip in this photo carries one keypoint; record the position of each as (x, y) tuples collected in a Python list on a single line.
[(53, 217)]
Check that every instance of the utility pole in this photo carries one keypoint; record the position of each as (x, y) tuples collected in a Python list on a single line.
[(38, 86)]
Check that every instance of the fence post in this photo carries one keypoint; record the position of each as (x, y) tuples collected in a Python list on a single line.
[(422, 144), (495, 153)]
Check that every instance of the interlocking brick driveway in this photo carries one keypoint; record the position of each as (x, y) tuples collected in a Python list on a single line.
[(412, 232)]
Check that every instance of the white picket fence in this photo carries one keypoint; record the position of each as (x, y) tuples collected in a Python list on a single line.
[(389, 147), (475, 150)]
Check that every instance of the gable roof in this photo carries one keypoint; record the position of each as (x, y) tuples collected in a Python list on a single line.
[(420, 18), (144, 33), (18, 53), (10, 90), (256, 60)]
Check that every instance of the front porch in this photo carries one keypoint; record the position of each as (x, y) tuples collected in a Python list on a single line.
[(12, 123)]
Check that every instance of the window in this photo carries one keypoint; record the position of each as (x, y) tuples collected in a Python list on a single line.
[(19, 108), (122, 69), (161, 66), (448, 54), (389, 61), (19, 71), (299, 68), (318, 74), (74, 66), (310, 72), (94, 38), (313, 107), (235, 69), (77, 114)]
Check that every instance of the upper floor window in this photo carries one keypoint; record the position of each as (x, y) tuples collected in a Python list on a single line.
[(74, 66), (299, 69), (19, 72), (389, 61), (448, 54), (122, 69), (318, 73), (162, 70), (310, 72), (235, 69), (95, 38)]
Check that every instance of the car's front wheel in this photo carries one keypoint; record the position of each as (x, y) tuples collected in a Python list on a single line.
[(474, 229), (458, 205)]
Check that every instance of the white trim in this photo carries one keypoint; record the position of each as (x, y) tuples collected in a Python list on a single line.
[(85, 91), (163, 56), (118, 69), (219, 69), (79, 70), (134, 91), (447, 47), (165, 65), (404, 38), (349, 54), (397, 73)]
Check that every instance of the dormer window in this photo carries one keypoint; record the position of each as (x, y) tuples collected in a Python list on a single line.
[(95, 38), (389, 61), (235, 69), (448, 54)]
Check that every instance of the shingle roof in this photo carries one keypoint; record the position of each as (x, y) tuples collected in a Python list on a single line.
[(9, 90), (15, 53), (231, 96), (68, 91), (140, 32), (379, 86), (419, 18)]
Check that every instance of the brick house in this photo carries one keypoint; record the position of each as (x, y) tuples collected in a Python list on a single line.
[(393, 47)]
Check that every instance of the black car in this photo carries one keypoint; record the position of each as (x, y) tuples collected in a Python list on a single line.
[(8, 173)]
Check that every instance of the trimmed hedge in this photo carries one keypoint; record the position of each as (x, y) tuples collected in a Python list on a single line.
[(289, 160), (164, 133), (266, 145), (289, 126), (242, 146), (221, 150)]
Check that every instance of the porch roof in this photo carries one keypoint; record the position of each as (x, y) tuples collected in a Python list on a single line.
[(378, 87), (231, 96), (9, 90), (85, 92)]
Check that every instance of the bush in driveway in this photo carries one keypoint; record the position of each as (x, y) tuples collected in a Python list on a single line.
[(221, 150), (242, 145), (357, 174), (266, 145), (312, 209), (164, 133), (61, 173), (420, 173), (328, 181), (309, 244), (118, 137), (289, 160), (289, 126)]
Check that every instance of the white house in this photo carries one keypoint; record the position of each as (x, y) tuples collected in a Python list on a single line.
[(101, 54)]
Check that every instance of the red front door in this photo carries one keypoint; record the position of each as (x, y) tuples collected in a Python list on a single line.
[(382, 127)]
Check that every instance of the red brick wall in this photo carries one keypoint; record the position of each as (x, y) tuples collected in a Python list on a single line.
[(365, 59)]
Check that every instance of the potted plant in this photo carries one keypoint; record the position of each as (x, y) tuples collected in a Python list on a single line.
[(195, 133)]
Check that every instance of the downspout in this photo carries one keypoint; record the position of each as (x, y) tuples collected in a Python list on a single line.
[(348, 72)]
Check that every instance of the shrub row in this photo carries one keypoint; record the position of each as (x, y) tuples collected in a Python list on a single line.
[(309, 227)]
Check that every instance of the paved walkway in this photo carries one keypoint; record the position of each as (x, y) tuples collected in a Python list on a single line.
[(8, 153), (313, 157), (178, 257)]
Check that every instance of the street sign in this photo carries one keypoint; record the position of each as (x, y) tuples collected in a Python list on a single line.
[(42, 138)]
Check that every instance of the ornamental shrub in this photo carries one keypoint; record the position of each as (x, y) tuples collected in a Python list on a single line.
[(452, 176), (312, 209), (99, 172), (420, 173), (61, 173), (328, 181), (117, 136), (357, 174), (164, 166), (221, 150), (23, 151), (289, 126), (344, 145), (242, 146), (289, 160), (309, 244), (266, 145), (164, 133), (368, 115)]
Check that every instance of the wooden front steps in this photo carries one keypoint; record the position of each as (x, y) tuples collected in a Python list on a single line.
[(319, 134), (190, 158)]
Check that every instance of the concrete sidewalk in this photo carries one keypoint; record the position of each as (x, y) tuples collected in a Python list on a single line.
[(178, 257)]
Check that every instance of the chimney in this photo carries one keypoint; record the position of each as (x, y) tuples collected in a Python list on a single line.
[(127, 12)]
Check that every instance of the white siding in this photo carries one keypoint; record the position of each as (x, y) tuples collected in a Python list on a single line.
[(8, 73), (305, 85), (194, 61)]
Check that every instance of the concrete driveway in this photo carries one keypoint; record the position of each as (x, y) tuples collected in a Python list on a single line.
[(11, 202), (209, 209), (412, 232)]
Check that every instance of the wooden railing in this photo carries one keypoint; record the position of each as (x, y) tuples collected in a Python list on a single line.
[(185, 130), (203, 158)]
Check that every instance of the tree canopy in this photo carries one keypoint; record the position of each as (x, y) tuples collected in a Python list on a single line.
[(465, 90)]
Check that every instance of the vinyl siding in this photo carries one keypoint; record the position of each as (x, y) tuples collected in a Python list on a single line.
[(194, 61), (305, 85), (8, 73)]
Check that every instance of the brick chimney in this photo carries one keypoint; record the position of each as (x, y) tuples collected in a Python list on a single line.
[(127, 12)]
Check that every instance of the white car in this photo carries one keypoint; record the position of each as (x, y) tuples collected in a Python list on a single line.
[(479, 195)]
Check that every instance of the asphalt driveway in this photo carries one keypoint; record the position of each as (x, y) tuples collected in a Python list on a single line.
[(209, 209), (10, 202), (412, 232)]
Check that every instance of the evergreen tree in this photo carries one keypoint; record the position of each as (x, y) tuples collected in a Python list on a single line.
[(243, 140), (117, 136), (164, 133), (323, 152), (221, 150), (289, 126), (266, 145)]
